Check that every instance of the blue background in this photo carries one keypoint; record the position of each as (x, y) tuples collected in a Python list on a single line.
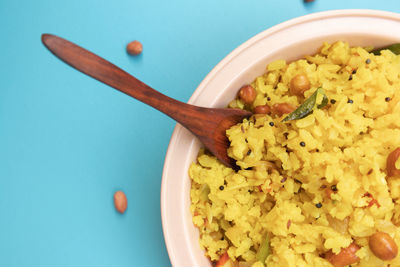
[(68, 142)]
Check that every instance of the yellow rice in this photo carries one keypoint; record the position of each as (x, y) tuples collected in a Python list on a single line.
[(345, 145)]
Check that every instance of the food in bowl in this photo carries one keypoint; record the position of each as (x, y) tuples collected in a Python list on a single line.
[(317, 182)]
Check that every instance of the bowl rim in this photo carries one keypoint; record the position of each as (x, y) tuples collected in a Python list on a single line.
[(172, 250)]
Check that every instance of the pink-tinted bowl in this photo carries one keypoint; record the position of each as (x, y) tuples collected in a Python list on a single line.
[(289, 40)]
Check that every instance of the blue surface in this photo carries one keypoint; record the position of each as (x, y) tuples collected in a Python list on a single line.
[(67, 142)]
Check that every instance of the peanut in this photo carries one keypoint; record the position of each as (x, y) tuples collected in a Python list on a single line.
[(299, 84), (120, 201), (264, 109), (247, 94), (345, 257), (383, 246), (134, 48), (391, 163), (282, 108)]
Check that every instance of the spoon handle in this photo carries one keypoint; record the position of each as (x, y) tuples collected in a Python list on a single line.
[(208, 124), (106, 72)]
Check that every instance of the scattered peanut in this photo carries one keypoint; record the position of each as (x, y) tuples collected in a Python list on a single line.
[(247, 94), (299, 84), (282, 108), (120, 201), (134, 48), (264, 109), (383, 246), (345, 257), (391, 163)]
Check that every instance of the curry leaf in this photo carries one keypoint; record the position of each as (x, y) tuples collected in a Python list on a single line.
[(395, 48), (263, 250), (311, 103)]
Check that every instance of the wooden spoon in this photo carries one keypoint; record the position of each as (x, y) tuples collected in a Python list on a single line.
[(208, 124)]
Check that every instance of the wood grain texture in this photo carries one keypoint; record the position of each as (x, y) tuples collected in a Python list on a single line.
[(208, 124)]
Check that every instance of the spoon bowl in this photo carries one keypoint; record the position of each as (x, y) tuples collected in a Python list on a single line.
[(208, 124)]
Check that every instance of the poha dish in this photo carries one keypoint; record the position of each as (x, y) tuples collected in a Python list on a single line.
[(318, 181)]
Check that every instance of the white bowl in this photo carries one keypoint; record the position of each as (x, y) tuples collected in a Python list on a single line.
[(289, 40)]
